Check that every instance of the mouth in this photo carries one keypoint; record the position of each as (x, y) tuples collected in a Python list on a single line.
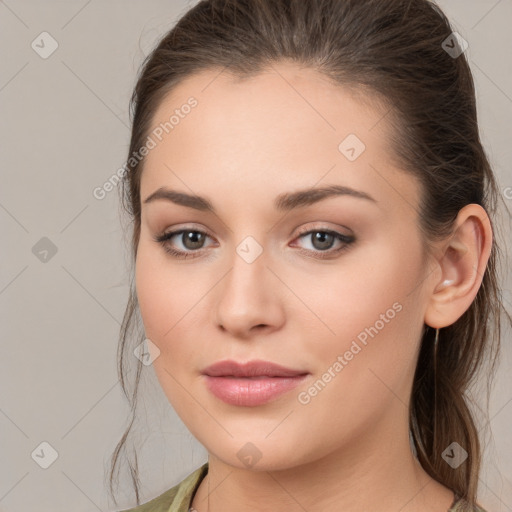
[(251, 384)]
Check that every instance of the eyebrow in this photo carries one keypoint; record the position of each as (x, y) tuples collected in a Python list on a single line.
[(284, 202)]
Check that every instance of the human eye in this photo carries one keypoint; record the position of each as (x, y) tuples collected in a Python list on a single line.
[(322, 242), (191, 240)]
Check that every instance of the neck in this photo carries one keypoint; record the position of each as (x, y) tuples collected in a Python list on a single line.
[(376, 471)]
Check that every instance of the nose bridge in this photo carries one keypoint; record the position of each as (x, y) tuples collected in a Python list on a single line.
[(247, 279), (246, 298)]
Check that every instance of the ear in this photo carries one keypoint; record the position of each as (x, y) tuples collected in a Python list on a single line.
[(459, 267)]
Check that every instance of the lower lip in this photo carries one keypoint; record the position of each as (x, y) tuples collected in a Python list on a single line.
[(250, 392)]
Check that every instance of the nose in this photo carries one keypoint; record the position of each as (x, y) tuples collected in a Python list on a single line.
[(248, 299)]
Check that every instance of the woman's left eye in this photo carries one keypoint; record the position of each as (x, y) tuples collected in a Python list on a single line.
[(192, 241), (322, 242)]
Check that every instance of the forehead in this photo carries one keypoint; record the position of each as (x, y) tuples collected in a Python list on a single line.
[(284, 128), (282, 95)]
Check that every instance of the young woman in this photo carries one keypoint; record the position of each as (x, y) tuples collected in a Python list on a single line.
[(314, 259)]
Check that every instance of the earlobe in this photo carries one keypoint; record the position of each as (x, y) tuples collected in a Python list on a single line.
[(462, 264)]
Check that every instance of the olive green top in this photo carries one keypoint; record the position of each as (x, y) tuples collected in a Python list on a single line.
[(179, 498)]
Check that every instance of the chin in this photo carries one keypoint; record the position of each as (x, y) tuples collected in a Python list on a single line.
[(257, 453)]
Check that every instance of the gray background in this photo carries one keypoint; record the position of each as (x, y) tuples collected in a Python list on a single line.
[(64, 131)]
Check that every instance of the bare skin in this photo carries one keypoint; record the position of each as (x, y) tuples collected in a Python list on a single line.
[(244, 144)]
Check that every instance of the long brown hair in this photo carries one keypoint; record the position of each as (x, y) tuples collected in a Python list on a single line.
[(394, 51)]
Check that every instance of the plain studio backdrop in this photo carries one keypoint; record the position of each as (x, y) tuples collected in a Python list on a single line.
[(63, 264)]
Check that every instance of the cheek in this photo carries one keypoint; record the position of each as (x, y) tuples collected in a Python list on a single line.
[(346, 298), (367, 310), (163, 295), (166, 305)]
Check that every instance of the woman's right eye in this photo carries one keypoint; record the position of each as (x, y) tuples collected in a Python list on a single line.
[(191, 239)]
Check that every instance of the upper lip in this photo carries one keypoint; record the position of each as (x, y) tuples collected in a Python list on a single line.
[(250, 369)]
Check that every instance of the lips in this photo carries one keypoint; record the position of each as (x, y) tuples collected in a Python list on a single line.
[(250, 384), (256, 368)]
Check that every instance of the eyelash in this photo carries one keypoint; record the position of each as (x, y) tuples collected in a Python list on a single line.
[(328, 254)]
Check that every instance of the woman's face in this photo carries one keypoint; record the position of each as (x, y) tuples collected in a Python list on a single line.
[(342, 305)]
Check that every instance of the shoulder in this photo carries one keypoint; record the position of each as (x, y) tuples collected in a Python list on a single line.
[(176, 499)]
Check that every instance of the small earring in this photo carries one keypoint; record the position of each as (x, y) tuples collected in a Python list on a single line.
[(448, 282)]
